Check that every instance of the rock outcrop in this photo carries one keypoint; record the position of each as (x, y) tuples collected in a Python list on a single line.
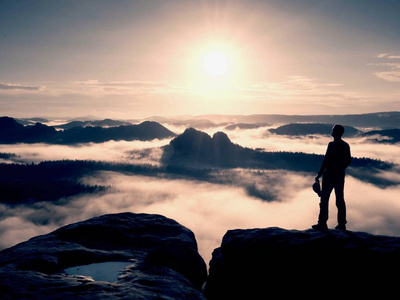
[(198, 147), (164, 260), (278, 263)]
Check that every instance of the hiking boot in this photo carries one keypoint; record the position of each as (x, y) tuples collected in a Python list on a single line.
[(341, 227), (320, 227)]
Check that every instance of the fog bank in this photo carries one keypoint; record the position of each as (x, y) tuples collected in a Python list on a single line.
[(206, 208)]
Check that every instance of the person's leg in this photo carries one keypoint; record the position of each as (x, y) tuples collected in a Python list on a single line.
[(327, 186), (340, 204)]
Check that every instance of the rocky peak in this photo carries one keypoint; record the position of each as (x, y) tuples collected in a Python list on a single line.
[(198, 147), (254, 263)]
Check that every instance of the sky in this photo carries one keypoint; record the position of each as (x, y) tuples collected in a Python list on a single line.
[(140, 58)]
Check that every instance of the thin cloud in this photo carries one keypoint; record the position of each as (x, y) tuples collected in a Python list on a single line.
[(111, 151), (394, 74), (389, 56), (122, 86), (17, 86)]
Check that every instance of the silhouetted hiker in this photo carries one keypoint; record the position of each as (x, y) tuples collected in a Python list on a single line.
[(336, 160)]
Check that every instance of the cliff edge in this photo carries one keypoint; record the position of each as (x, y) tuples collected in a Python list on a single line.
[(259, 263), (161, 259), (158, 259)]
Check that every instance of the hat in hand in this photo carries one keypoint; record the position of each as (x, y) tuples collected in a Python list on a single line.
[(317, 188)]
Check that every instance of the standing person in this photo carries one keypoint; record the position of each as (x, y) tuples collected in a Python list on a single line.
[(336, 160)]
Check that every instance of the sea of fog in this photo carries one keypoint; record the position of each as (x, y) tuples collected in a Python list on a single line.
[(208, 209)]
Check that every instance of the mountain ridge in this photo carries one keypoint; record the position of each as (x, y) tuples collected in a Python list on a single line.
[(367, 120), (12, 132)]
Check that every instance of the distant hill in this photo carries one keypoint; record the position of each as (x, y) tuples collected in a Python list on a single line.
[(144, 131), (246, 126), (199, 147), (379, 119), (390, 136), (312, 129), (31, 121), (13, 132), (387, 136), (100, 123)]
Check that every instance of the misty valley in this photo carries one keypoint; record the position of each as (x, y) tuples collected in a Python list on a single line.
[(210, 173)]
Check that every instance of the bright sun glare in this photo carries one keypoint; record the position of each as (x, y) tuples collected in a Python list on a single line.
[(217, 70), (215, 64)]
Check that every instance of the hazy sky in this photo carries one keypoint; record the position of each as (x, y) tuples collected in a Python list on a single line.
[(134, 59)]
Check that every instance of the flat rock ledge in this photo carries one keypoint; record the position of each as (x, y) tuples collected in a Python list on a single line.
[(274, 263), (164, 263), (163, 253)]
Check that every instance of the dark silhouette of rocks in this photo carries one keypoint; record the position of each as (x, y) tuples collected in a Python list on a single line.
[(8, 129), (254, 263), (13, 132), (164, 260), (144, 131), (165, 264), (195, 146), (301, 129)]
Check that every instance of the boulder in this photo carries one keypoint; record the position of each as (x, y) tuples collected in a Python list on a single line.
[(162, 258), (279, 263)]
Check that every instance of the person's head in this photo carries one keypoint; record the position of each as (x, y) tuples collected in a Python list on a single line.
[(337, 131)]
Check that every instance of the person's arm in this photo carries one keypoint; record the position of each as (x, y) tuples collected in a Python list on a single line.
[(348, 157), (324, 162)]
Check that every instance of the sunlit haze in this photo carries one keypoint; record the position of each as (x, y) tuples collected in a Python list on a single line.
[(215, 64), (135, 59)]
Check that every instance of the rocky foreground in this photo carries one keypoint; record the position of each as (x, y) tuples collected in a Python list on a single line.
[(163, 263), (258, 263)]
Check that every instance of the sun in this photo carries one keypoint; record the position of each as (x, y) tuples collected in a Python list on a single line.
[(215, 69), (215, 64)]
